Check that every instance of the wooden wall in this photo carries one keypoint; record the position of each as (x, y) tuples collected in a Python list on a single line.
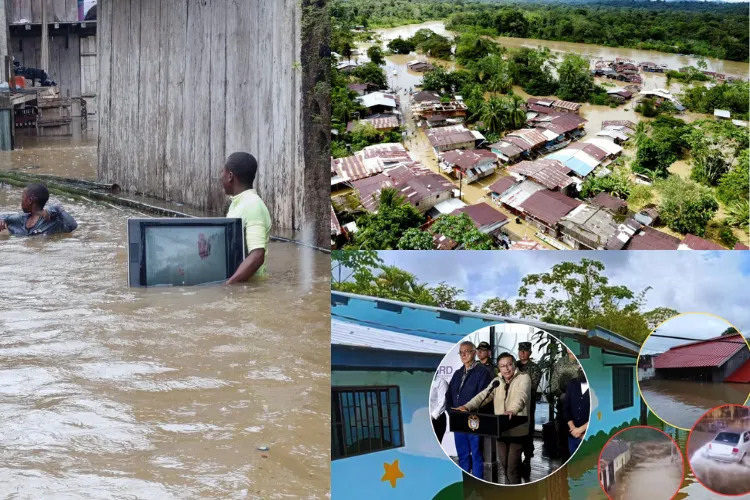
[(64, 63), (183, 84), (57, 10)]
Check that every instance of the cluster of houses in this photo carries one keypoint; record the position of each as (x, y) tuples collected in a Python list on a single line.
[(546, 166), (614, 457), (624, 70)]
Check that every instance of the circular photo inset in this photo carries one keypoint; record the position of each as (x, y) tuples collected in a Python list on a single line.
[(719, 450), (510, 404), (692, 363), (641, 463)]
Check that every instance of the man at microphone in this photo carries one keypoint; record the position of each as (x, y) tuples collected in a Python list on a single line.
[(511, 393)]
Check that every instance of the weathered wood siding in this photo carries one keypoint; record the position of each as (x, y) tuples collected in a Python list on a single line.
[(59, 11), (64, 62), (183, 84)]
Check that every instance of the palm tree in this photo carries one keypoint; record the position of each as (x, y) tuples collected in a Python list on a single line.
[(494, 115), (641, 132), (738, 214), (516, 117)]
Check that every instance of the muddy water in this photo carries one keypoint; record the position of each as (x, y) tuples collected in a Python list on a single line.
[(681, 403), (72, 156), (655, 472), (112, 392), (728, 479)]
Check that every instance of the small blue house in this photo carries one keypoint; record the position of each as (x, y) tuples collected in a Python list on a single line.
[(383, 356)]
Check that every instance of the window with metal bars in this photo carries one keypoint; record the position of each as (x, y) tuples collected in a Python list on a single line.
[(622, 387), (365, 420)]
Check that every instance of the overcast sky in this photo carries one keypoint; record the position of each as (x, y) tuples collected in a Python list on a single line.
[(689, 281), (693, 326)]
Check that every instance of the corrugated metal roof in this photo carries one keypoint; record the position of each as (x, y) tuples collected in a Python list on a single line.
[(465, 159), (610, 147), (502, 185), (378, 99), (532, 137), (507, 148), (482, 214), (614, 449), (353, 168), (550, 173), (519, 193), (549, 206), (444, 136), (351, 334), (335, 226), (566, 105), (693, 242), (713, 352)]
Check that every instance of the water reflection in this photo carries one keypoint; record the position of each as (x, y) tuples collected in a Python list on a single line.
[(681, 403), (158, 393)]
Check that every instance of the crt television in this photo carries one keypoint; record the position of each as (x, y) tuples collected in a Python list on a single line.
[(180, 252)]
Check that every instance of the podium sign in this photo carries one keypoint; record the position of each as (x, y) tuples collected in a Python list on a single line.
[(482, 424)]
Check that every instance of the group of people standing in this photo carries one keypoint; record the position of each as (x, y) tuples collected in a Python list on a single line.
[(473, 388)]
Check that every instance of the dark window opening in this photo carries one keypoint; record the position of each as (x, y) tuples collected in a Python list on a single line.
[(622, 387), (365, 420)]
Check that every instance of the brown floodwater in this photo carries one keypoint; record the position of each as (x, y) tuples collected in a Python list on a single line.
[(725, 478), (115, 392), (654, 472), (681, 403)]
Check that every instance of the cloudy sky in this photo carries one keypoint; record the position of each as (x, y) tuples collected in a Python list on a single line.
[(689, 281), (690, 326)]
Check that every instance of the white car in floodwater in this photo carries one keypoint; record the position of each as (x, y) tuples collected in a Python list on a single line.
[(729, 446)]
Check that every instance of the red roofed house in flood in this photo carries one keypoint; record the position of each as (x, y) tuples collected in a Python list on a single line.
[(469, 165), (545, 208), (713, 360), (485, 218), (418, 185)]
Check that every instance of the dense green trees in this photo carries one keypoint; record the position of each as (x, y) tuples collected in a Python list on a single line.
[(500, 114), (432, 44), (575, 80), (375, 53), (415, 239), (686, 207), (729, 96), (400, 46), (371, 73), (384, 229)]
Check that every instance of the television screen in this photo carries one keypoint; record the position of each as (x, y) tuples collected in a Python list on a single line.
[(185, 255), (183, 252)]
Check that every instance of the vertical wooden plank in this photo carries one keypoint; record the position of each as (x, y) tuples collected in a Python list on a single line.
[(162, 77), (217, 102), (148, 106), (241, 75), (177, 46), (74, 69), (132, 89), (71, 11), (25, 10), (103, 89), (36, 11), (56, 10), (294, 19), (122, 93), (16, 12), (271, 113)]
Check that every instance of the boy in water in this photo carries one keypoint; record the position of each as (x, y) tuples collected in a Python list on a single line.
[(35, 219)]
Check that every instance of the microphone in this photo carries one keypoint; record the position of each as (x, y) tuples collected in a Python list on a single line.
[(493, 386)]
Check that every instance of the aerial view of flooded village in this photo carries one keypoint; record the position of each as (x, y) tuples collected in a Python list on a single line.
[(460, 125), (112, 391)]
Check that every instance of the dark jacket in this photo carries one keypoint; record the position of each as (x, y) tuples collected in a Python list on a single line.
[(476, 381), (60, 222), (577, 406)]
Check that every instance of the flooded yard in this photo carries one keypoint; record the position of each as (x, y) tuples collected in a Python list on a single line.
[(654, 472), (682, 403), (113, 392)]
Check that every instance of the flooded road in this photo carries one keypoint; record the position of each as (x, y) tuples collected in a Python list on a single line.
[(724, 478), (113, 392), (681, 403), (64, 156), (654, 472)]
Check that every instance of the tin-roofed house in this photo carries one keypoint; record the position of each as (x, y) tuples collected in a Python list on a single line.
[(448, 138), (712, 360), (545, 208), (587, 228), (407, 363), (615, 456), (469, 165), (486, 219)]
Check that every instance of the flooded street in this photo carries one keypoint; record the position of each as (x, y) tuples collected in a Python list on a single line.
[(114, 392), (725, 478), (682, 403), (64, 156), (652, 473)]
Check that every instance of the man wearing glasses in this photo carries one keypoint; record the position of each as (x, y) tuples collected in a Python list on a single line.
[(465, 384), (511, 398)]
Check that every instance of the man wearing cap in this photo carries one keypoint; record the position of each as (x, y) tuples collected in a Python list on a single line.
[(485, 359), (525, 365)]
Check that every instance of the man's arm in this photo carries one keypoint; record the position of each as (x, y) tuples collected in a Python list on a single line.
[(9, 220), (255, 239), (69, 224), (524, 391), (249, 266)]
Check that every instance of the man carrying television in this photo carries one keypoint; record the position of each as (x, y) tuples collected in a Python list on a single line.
[(237, 177)]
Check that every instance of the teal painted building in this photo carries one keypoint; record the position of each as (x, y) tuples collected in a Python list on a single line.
[(383, 350)]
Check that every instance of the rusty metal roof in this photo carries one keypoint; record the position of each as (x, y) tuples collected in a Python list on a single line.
[(533, 138), (466, 159), (693, 242), (352, 168), (381, 123), (550, 173), (590, 149), (651, 239), (335, 226), (503, 184), (444, 136), (712, 352), (481, 214), (413, 181), (549, 206), (566, 105)]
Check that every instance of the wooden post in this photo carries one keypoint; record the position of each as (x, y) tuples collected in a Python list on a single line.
[(4, 31), (45, 38)]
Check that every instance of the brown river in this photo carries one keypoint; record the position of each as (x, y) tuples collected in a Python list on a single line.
[(681, 403), (113, 392), (655, 470)]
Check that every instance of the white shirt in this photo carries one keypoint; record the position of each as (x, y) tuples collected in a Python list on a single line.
[(584, 387), (437, 397)]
